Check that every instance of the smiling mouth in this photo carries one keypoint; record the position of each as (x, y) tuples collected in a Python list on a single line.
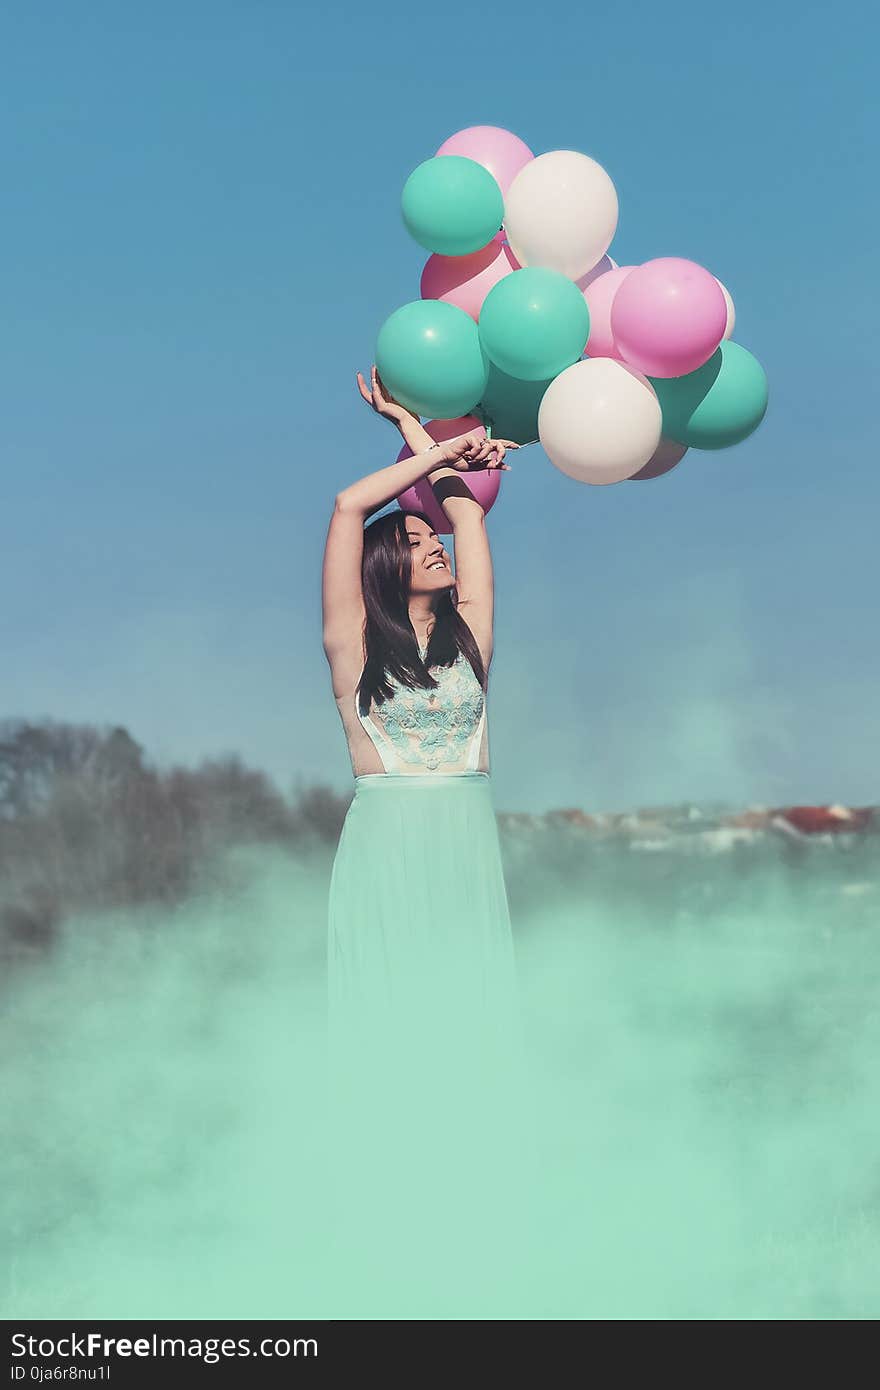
[(438, 565)]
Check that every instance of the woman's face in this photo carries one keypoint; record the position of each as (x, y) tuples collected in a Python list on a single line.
[(431, 566)]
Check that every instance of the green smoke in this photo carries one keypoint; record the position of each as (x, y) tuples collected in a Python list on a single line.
[(693, 1132)]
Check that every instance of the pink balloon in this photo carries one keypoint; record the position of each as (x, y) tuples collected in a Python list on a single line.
[(499, 151), (600, 296), (466, 280), (669, 317), (667, 455), (483, 483)]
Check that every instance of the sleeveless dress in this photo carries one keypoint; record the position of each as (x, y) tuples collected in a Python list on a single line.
[(418, 913), (431, 731), (424, 1017)]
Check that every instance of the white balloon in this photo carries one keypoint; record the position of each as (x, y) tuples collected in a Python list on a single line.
[(731, 311), (560, 212), (599, 421)]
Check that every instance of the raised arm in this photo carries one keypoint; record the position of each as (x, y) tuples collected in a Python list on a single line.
[(343, 603), (343, 600), (475, 584), (474, 577)]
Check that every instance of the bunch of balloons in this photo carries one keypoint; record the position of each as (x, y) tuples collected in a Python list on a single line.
[(526, 324)]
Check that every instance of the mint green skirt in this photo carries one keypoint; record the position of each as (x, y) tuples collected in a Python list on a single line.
[(423, 1007), (425, 1038), (421, 959)]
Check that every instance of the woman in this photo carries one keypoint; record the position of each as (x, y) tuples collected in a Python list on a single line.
[(421, 967)]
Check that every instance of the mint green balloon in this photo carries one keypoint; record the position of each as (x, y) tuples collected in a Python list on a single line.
[(534, 323), (509, 407), (429, 356), (452, 205), (719, 404)]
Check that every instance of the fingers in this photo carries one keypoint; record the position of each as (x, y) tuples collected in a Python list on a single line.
[(362, 386), (478, 451), (488, 446), (496, 448), (475, 450), (376, 385), (501, 446), (468, 445)]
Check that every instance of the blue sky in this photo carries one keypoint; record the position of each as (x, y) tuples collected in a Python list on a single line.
[(201, 236)]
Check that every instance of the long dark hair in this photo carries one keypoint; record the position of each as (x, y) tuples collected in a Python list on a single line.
[(391, 646)]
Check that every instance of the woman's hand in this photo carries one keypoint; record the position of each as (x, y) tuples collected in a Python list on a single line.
[(471, 452), (381, 400)]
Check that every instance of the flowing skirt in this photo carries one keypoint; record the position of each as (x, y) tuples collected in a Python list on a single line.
[(424, 1023), (421, 964)]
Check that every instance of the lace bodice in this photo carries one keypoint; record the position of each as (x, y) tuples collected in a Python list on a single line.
[(420, 730)]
